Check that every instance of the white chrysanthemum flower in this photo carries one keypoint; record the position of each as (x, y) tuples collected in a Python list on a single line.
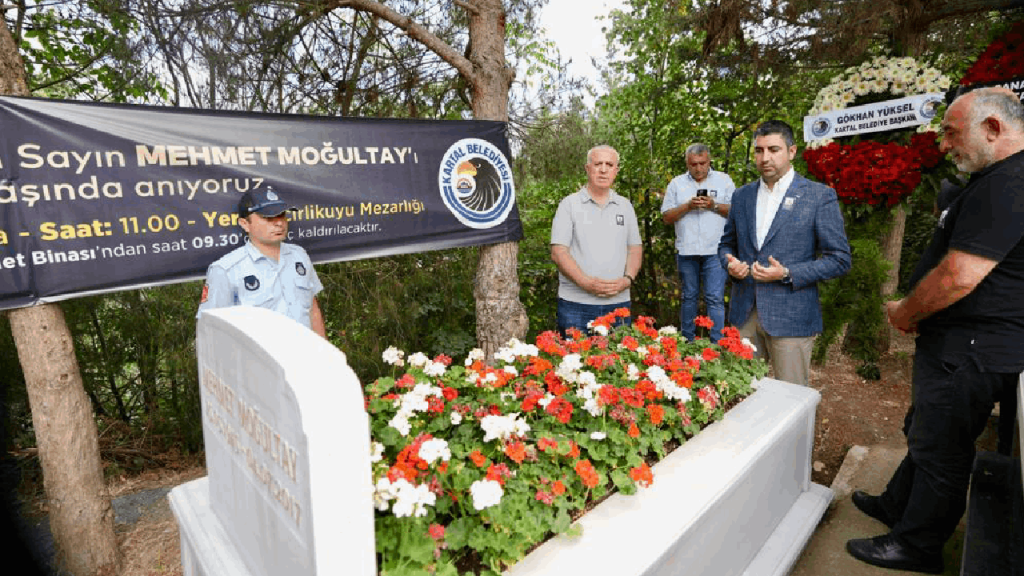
[(598, 436), (376, 451), (434, 369), (486, 493), (418, 360), (456, 418), (433, 449), (393, 356)]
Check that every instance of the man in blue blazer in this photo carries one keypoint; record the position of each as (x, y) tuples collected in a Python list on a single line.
[(784, 234)]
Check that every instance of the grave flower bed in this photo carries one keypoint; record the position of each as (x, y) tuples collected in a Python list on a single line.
[(474, 464)]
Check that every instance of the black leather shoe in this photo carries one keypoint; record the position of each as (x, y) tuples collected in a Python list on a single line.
[(886, 552), (869, 505)]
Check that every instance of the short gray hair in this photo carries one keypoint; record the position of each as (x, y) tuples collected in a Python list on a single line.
[(999, 102), (602, 147), (697, 149)]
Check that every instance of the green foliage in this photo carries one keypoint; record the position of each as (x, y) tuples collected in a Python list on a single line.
[(855, 299), (86, 50), (417, 301), (538, 276)]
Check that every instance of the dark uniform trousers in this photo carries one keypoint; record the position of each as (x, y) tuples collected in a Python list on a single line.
[(952, 401)]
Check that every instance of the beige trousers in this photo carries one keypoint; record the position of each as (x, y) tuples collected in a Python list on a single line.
[(790, 357)]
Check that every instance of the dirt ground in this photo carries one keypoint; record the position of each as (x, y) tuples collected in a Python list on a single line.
[(858, 412), (853, 411)]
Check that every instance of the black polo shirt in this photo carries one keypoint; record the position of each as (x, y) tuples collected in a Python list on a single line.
[(987, 220)]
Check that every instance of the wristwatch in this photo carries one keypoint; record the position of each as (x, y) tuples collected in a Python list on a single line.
[(786, 278)]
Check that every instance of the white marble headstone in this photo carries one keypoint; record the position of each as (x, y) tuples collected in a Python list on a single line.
[(287, 445)]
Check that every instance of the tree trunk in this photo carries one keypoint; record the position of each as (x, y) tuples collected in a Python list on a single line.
[(81, 518), (499, 313), (892, 247)]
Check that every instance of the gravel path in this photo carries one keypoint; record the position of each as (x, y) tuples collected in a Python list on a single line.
[(33, 542)]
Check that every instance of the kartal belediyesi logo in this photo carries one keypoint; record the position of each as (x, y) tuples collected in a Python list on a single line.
[(475, 180)]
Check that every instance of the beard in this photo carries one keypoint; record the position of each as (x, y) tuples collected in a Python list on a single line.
[(974, 155)]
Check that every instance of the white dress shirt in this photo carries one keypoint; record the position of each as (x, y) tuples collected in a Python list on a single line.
[(768, 202)]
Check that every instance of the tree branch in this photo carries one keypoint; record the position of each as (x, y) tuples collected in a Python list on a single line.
[(413, 29)]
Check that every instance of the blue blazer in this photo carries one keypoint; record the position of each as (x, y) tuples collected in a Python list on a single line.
[(807, 236)]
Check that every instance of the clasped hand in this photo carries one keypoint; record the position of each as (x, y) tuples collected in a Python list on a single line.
[(771, 273), (605, 288)]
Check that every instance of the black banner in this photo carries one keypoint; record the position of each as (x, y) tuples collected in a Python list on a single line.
[(1014, 84), (97, 197)]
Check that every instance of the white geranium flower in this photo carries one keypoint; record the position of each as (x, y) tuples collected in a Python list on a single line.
[(433, 449), (456, 418), (746, 342), (503, 427), (571, 362), (668, 330), (511, 370), (393, 356), (515, 349), (401, 423), (418, 360), (598, 436), (412, 500), (632, 372), (474, 355), (376, 451), (434, 369), (586, 378), (486, 493), (383, 492)]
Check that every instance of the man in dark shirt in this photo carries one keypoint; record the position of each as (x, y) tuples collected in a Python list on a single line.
[(969, 316)]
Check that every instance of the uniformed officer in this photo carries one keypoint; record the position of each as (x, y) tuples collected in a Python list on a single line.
[(266, 271)]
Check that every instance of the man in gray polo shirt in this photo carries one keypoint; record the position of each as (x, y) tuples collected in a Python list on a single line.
[(595, 242)]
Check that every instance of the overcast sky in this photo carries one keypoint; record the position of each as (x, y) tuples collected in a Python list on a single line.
[(574, 27)]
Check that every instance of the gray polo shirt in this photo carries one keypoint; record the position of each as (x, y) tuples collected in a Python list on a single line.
[(598, 239)]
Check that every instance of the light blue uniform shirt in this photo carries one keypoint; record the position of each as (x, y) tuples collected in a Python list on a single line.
[(698, 232), (246, 277)]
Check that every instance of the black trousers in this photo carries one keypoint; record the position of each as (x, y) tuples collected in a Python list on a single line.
[(951, 404)]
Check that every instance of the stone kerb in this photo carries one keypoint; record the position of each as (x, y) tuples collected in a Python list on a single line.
[(286, 433)]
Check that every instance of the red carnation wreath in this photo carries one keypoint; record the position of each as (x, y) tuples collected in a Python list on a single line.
[(1002, 60), (879, 169)]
